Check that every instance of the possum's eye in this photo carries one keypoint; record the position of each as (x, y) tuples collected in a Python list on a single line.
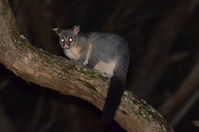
[(62, 40), (70, 39)]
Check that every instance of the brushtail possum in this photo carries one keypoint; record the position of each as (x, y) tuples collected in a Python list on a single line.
[(105, 52)]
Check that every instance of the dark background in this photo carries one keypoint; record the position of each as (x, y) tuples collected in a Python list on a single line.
[(163, 37)]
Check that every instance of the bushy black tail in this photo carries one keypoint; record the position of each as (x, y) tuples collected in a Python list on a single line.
[(117, 86)]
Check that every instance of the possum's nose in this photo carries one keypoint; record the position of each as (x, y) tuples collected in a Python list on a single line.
[(65, 46)]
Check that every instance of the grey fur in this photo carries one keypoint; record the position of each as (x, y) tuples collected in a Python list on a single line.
[(108, 52)]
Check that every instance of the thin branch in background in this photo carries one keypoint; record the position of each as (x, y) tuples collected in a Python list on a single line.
[(183, 111), (179, 57), (176, 107), (184, 98), (157, 58), (196, 123), (188, 91), (51, 118), (6, 125), (4, 83), (38, 114), (121, 16), (114, 16)]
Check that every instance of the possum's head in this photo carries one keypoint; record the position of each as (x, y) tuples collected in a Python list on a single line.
[(67, 37)]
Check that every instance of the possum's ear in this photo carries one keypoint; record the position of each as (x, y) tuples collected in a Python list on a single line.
[(57, 31), (76, 29)]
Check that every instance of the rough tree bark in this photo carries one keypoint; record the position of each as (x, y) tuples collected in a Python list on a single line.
[(66, 77)]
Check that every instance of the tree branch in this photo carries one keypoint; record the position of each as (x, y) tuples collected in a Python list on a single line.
[(59, 74)]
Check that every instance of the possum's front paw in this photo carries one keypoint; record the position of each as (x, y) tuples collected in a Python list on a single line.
[(104, 74), (85, 62)]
